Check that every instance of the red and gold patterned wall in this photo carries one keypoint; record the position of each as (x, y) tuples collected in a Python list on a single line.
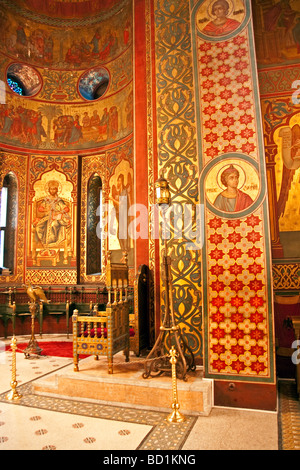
[(209, 120), (236, 268)]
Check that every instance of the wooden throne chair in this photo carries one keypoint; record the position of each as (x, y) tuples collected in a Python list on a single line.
[(105, 333)]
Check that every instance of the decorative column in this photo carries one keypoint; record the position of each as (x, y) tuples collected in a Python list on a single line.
[(236, 267)]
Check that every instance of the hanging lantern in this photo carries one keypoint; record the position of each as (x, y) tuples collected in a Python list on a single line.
[(162, 192)]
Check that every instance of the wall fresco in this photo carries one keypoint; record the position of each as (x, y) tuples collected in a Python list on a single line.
[(51, 216), (59, 115), (37, 40), (277, 46), (121, 198)]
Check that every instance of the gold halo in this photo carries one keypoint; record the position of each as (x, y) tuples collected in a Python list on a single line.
[(209, 8), (58, 186), (239, 168)]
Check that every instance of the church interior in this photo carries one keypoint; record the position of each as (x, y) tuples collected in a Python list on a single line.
[(149, 224)]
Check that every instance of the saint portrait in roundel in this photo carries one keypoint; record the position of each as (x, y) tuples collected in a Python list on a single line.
[(221, 21), (232, 199)]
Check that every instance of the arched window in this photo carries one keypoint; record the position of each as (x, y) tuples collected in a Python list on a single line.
[(8, 223), (94, 201), (23, 79), (93, 83)]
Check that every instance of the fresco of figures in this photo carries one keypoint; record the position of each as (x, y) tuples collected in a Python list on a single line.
[(42, 43), (49, 127)]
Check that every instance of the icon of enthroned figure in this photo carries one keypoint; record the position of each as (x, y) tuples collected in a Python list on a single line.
[(232, 199), (222, 23), (51, 225), (55, 216)]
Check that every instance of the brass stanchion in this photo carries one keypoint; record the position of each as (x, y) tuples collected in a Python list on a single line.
[(13, 395), (175, 416)]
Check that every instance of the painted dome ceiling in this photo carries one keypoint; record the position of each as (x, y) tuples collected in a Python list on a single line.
[(72, 38), (65, 9), (66, 65)]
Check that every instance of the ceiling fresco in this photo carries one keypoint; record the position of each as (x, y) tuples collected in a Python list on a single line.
[(80, 75), (63, 45), (65, 9)]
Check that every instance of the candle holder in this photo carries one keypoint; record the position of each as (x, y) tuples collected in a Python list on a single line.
[(13, 395), (36, 295), (157, 361), (176, 416), (32, 348)]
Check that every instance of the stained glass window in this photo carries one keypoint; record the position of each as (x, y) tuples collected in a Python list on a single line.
[(15, 86), (94, 83)]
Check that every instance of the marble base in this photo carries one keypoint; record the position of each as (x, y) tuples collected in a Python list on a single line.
[(127, 387)]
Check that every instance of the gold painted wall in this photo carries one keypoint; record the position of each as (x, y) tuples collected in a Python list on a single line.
[(177, 158)]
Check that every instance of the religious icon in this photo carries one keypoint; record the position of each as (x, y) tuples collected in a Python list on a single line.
[(122, 199), (51, 225), (289, 148), (221, 23), (232, 186), (55, 216), (232, 199)]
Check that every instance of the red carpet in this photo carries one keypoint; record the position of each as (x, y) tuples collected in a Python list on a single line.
[(50, 348)]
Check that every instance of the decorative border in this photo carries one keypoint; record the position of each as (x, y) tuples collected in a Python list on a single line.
[(169, 436), (18, 164), (177, 156)]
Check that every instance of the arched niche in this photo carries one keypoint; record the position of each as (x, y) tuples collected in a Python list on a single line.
[(8, 223), (93, 221)]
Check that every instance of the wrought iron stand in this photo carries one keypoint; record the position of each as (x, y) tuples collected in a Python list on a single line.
[(157, 362)]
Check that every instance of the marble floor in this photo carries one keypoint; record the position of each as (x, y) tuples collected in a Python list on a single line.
[(51, 423)]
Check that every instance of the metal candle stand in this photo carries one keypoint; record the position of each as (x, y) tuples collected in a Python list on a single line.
[(32, 348), (157, 361), (13, 395)]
